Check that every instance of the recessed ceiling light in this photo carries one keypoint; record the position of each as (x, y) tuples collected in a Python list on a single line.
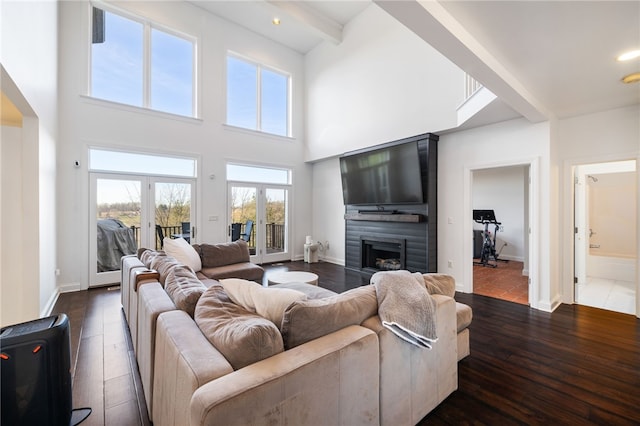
[(631, 78), (627, 56), (275, 21)]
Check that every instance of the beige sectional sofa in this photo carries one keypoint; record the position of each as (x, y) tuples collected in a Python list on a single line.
[(205, 359)]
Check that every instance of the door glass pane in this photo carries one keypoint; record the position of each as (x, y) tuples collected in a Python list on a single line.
[(276, 219), (173, 211), (243, 215), (118, 221)]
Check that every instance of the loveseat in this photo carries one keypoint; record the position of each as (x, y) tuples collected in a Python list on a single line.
[(330, 361)]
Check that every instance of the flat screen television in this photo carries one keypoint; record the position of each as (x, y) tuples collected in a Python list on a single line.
[(387, 175)]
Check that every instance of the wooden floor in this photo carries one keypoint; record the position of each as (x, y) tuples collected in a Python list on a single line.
[(576, 366)]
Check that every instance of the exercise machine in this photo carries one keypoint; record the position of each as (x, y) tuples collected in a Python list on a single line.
[(488, 252)]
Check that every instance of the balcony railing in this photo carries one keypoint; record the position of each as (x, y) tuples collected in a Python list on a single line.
[(471, 86), (274, 235)]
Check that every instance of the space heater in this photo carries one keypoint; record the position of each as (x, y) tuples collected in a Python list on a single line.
[(35, 368)]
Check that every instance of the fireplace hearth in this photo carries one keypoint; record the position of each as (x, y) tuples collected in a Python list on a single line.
[(382, 254)]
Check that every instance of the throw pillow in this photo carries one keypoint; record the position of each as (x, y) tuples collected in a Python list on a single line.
[(182, 251), (306, 320), (184, 288), (267, 302), (242, 337)]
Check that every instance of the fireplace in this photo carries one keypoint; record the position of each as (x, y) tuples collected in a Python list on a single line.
[(382, 254)]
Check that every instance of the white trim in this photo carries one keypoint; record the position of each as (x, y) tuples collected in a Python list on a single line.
[(567, 239), (48, 307), (534, 225)]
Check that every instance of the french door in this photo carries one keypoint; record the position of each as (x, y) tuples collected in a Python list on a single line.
[(132, 211), (259, 214)]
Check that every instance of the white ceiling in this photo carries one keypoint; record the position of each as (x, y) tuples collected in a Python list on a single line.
[(551, 59)]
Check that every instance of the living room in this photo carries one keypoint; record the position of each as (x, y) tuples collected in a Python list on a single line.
[(330, 127), (382, 82)]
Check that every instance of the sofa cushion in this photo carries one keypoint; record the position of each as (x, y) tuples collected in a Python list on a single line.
[(159, 261), (245, 270), (241, 336), (267, 302), (182, 251), (306, 320), (464, 315), (213, 255), (184, 288)]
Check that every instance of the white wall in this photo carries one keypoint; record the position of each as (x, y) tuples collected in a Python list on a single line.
[(90, 122), (380, 84), (460, 154), (328, 209), (28, 53), (502, 190)]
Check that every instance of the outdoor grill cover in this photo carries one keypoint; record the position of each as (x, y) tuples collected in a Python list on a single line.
[(115, 240)]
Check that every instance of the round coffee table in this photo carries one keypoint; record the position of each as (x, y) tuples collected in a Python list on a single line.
[(293, 277)]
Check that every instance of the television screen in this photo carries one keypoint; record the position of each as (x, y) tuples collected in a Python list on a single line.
[(389, 175)]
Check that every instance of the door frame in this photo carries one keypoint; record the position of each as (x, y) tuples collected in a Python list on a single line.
[(568, 288), (260, 224), (533, 241), (580, 215), (147, 216)]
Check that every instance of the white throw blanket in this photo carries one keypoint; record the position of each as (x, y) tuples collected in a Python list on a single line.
[(405, 306)]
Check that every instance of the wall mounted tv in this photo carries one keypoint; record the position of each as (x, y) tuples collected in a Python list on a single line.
[(386, 175)]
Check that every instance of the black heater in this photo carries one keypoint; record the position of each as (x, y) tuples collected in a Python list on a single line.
[(35, 367)]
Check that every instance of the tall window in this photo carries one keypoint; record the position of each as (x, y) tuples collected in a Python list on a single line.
[(257, 97), (134, 62)]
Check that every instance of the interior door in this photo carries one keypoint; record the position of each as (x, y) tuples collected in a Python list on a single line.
[(259, 214)]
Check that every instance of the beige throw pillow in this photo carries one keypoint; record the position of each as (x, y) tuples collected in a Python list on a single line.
[(182, 251), (267, 302), (241, 336)]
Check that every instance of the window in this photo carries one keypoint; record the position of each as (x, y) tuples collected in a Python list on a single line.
[(251, 173), (139, 163), (257, 97), (135, 63)]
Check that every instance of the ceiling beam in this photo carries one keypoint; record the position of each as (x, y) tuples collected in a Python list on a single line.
[(324, 26), (435, 25)]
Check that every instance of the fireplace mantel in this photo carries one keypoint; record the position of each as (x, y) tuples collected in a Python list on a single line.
[(381, 217)]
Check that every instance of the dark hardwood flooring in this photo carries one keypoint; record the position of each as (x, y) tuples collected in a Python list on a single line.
[(575, 366)]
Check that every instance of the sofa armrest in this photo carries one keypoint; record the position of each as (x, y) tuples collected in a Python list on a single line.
[(152, 301), (414, 380), (184, 360), (330, 380)]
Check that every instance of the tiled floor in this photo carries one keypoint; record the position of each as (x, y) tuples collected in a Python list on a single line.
[(504, 282), (619, 296)]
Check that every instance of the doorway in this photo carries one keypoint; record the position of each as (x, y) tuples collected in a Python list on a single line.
[(505, 192), (129, 212), (259, 203), (259, 215), (605, 247), (136, 200)]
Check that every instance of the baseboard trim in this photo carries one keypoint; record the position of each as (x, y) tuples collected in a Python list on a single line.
[(333, 260), (48, 308)]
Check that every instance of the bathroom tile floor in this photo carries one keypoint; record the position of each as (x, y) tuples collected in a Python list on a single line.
[(613, 295)]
